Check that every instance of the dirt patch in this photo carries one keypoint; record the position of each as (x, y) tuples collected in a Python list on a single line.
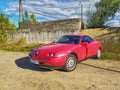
[(16, 73)]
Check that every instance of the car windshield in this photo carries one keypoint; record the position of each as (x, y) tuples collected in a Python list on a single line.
[(69, 39)]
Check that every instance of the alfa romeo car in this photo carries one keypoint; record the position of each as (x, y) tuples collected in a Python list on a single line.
[(65, 52)]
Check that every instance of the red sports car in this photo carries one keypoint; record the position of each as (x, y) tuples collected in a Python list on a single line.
[(65, 52)]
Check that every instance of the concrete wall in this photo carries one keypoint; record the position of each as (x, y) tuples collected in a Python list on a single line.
[(47, 31)]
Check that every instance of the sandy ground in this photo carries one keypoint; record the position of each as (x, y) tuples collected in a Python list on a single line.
[(16, 73)]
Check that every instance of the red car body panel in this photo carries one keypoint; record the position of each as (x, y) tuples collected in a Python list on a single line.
[(60, 51)]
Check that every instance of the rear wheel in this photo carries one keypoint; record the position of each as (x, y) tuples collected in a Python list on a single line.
[(98, 55), (71, 63)]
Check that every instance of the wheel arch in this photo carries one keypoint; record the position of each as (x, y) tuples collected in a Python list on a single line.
[(66, 67), (100, 48), (74, 54)]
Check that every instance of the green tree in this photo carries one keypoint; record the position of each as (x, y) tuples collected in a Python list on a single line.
[(104, 9), (29, 18), (5, 27), (26, 17), (33, 19)]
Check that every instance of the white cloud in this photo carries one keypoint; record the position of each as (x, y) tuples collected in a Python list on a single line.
[(117, 16), (115, 22), (51, 9), (54, 9)]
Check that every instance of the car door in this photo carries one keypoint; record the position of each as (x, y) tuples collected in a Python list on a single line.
[(89, 46)]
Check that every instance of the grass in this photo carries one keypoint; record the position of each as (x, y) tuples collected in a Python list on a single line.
[(110, 56), (95, 32), (110, 50), (110, 47), (18, 48)]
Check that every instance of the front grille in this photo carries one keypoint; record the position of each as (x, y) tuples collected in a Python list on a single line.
[(44, 58), (41, 63)]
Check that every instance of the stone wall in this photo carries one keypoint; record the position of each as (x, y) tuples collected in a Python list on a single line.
[(47, 31)]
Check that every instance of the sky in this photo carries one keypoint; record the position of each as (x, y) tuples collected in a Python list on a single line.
[(47, 10)]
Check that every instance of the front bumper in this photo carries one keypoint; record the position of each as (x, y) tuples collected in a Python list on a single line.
[(41, 65), (51, 63)]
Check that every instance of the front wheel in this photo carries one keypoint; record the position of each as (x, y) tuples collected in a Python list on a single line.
[(98, 55), (71, 63)]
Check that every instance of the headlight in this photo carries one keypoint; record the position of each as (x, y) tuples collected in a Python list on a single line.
[(36, 53), (60, 55), (51, 54)]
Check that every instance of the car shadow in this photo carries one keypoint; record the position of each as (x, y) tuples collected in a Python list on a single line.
[(25, 64), (116, 71)]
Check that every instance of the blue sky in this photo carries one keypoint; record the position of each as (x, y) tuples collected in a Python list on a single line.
[(46, 10)]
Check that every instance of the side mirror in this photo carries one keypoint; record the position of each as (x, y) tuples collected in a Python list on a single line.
[(84, 43), (53, 41)]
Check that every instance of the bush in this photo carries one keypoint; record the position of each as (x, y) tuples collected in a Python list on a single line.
[(22, 41), (18, 48), (110, 49), (110, 56)]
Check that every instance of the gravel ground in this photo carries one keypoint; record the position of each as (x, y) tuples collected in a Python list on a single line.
[(16, 73)]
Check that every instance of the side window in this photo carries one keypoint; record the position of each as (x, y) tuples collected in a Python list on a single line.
[(87, 39)]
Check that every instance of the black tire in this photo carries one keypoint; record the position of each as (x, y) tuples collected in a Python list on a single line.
[(71, 63), (98, 55)]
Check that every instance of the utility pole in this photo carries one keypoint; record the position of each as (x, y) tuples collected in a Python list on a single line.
[(81, 10), (21, 13)]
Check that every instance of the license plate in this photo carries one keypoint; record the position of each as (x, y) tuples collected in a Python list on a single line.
[(34, 61)]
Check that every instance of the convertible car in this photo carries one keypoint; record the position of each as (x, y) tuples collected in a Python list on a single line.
[(65, 52)]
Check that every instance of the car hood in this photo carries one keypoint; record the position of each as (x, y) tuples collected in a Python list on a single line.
[(56, 47)]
